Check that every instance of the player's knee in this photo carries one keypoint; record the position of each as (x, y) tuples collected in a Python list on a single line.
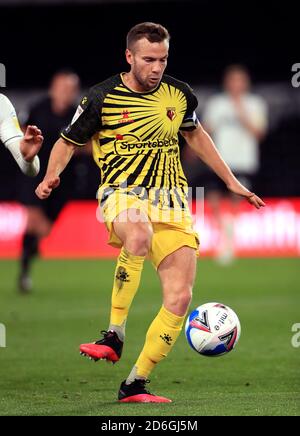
[(138, 242), (178, 301), (184, 298)]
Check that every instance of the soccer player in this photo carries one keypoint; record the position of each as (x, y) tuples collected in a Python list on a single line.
[(24, 148), (133, 119)]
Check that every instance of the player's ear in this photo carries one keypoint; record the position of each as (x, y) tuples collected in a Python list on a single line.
[(128, 54)]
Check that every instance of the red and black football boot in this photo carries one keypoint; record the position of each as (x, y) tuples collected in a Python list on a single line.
[(109, 348), (136, 392)]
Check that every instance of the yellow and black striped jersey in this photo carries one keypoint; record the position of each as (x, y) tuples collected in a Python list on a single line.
[(135, 135)]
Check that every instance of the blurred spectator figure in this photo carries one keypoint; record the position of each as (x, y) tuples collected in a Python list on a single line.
[(237, 121), (52, 113)]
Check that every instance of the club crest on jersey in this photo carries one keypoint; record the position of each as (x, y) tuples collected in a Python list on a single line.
[(171, 113)]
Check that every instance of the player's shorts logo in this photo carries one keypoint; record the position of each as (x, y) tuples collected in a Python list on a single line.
[(171, 113)]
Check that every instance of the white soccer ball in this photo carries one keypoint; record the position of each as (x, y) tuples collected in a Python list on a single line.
[(212, 329)]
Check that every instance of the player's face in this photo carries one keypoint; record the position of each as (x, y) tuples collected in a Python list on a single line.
[(236, 83), (148, 62)]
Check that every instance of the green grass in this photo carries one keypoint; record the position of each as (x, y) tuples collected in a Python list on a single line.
[(41, 372)]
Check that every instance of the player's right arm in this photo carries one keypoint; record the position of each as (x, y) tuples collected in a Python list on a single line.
[(60, 156), (85, 123)]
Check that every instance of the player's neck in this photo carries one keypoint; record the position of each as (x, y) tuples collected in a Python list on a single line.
[(131, 83)]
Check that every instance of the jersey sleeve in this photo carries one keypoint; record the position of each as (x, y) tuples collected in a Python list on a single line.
[(10, 129), (86, 121), (190, 120)]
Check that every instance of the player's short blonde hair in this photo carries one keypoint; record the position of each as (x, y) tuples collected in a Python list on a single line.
[(153, 32)]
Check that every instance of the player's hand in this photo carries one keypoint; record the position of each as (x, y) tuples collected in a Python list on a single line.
[(31, 143), (45, 188), (253, 199)]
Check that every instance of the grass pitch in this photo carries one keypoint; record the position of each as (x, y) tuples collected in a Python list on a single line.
[(42, 373)]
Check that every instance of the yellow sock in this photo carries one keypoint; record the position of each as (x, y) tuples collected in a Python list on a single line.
[(160, 338), (126, 283)]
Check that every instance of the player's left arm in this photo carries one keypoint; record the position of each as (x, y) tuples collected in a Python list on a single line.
[(202, 144)]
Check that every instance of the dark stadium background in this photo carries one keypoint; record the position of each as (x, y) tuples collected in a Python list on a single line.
[(40, 369), (206, 37)]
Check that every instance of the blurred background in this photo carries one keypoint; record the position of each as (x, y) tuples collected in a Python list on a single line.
[(238, 57), (87, 39), (54, 51)]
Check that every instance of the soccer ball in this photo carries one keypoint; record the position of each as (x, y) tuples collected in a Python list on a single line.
[(212, 329)]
